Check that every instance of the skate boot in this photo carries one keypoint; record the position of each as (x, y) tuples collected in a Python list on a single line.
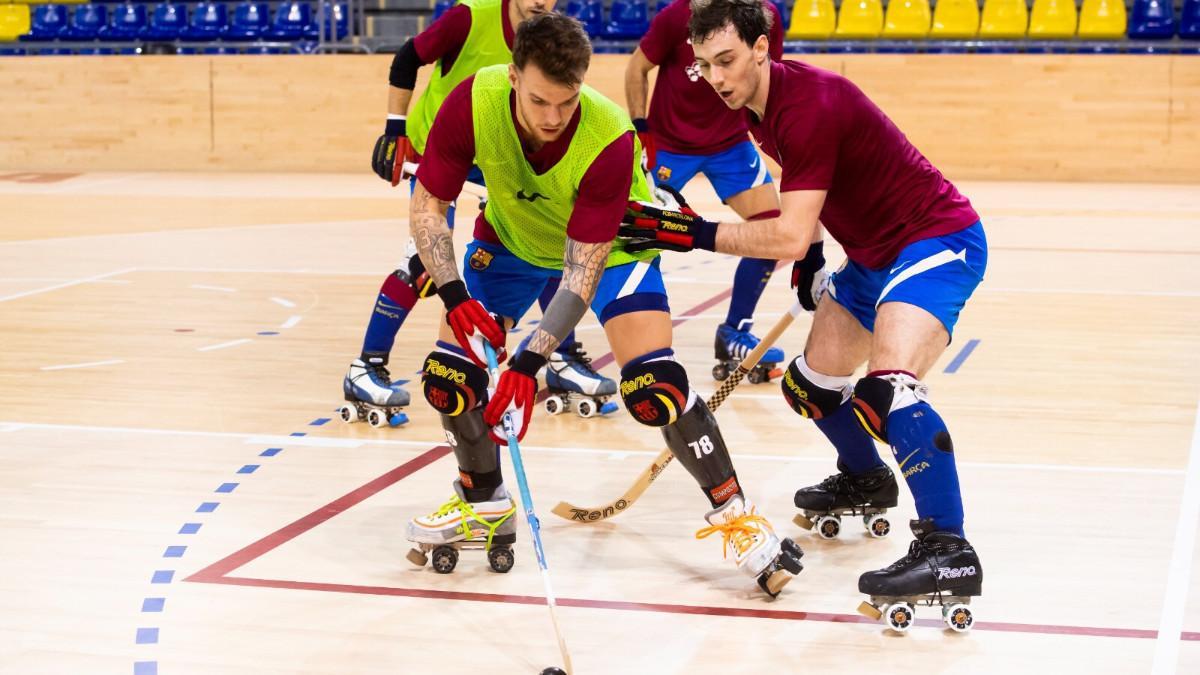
[(756, 549), (868, 495), (460, 525), (573, 383), (941, 568), (370, 394), (733, 344)]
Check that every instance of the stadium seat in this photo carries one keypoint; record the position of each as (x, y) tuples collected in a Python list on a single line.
[(127, 21), (85, 22), (1004, 20), (1102, 20), (1189, 21), (47, 23), (812, 20), (1152, 20), (250, 21), (337, 22), (209, 20), (906, 20), (291, 18), (955, 20), (167, 21), (662, 4), (1053, 20), (14, 22), (860, 20), (591, 15), (627, 20), (440, 7), (782, 6)]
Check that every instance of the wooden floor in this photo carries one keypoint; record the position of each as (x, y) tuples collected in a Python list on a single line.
[(175, 499)]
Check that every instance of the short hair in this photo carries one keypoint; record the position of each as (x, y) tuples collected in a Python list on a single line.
[(749, 18), (557, 44)]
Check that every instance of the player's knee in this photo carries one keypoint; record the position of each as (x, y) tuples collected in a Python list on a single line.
[(655, 391), (812, 394), (877, 395), (453, 384)]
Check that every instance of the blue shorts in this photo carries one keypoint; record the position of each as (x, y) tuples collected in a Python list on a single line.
[(508, 286), (936, 274), (475, 176), (731, 172)]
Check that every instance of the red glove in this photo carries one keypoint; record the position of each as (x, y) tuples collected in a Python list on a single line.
[(472, 324), (392, 150), (648, 146), (515, 395)]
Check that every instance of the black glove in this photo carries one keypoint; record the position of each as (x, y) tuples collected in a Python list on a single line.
[(649, 227), (392, 150), (809, 277)]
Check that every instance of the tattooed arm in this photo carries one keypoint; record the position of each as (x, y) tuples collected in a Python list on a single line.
[(433, 236), (583, 265)]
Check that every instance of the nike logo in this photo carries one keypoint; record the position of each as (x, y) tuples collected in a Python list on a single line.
[(902, 462), (531, 198), (899, 267), (755, 162)]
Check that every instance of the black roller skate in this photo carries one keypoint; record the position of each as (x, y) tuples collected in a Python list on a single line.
[(732, 345), (868, 495), (370, 394), (941, 568)]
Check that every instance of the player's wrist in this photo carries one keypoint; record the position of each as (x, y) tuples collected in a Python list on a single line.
[(528, 363), (641, 125), (397, 125), (704, 234), (815, 258), (453, 294)]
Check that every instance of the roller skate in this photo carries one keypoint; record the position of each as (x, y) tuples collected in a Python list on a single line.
[(941, 568), (459, 525), (756, 549), (370, 394), (867, 495), (573, 383), (734, 344)]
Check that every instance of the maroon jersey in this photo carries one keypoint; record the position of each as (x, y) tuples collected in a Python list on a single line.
[(445, 37), (882, 192), (686, 115), (603, 193)]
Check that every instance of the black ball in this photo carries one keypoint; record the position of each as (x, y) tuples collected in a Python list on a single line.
[(554, 670)]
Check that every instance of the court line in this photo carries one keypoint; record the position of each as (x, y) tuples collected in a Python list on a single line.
[(223, 345), (222, 289), (283, 302), (291, 321), (195, 230), (961, 358), (219, 573), (1166, 650), (110, 362), (67, 284)]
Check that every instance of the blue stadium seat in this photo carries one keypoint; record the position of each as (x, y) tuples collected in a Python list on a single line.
[(1189, 22), (662, 4), (291, 18), (167, 21), (627, 20), (1152, 20), (338, 14), (209, 20), (86, 22), (127, 21), (250, 21), (781, 5), (440, 7), (47, 23), (592, 17)]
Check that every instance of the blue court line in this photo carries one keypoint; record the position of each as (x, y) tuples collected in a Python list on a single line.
[(268, 332), (207, 507), (318, 422), (147, 636), (153, 604), (401, 382), (297, 433), (962, 356), (174, 551), (162, 576), (145, 668), (270, 452), (226, 487), (189, 528), (249, 468)]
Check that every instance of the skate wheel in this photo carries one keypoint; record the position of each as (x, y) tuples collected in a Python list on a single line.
[(501, 559), (585, 407), (555, 405), (348, 413), (829, 527), (720, 372), (417, 557), (803, 521), (398, 419), (899, 616), (756, 376), (445, 559), (376, 418), (877, 525), (870, 611), (958, 617)]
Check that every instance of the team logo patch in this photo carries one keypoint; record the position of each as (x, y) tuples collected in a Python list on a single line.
[(531, 198), (480, 260), (664, 173)]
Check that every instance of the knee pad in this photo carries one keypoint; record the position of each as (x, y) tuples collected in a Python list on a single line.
[(655, 392), (879, 394), (812, 394), (467, 434), (452, 384)]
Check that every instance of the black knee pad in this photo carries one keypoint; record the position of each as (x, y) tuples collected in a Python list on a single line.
[(807, 398), (452, 384), (467, 434), (655, 392), (695, 440), (872, 405)]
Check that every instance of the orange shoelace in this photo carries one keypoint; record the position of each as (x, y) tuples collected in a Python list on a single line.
[(738, 531)]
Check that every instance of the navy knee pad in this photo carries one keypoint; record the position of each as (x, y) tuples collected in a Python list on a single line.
[(452, 384), (806, 397), (655, 392)]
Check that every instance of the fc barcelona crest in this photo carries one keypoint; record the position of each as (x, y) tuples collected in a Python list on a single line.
[(480, 260)]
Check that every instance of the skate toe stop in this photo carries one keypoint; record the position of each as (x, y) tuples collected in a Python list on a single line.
[(870, 611), (777, 581), (417, 557)]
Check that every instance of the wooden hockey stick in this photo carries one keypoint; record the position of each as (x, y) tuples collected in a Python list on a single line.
[(580, 514), (474, 189)]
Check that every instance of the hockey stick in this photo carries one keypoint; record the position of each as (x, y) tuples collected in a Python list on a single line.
[(535, 527), (474, 189), (651, 473)]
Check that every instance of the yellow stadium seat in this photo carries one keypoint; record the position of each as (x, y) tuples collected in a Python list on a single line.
[(860, 20), (812, 20), (1102, 20), (906, 20), (955, 20), (1004, 20), (14, 21), (1053, 20)]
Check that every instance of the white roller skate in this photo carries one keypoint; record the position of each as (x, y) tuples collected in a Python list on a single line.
[(371, 396), (732, 345), (573, 384), (756, 549), (460, 525)]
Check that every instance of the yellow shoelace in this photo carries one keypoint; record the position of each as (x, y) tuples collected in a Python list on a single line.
[(738, 530)]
